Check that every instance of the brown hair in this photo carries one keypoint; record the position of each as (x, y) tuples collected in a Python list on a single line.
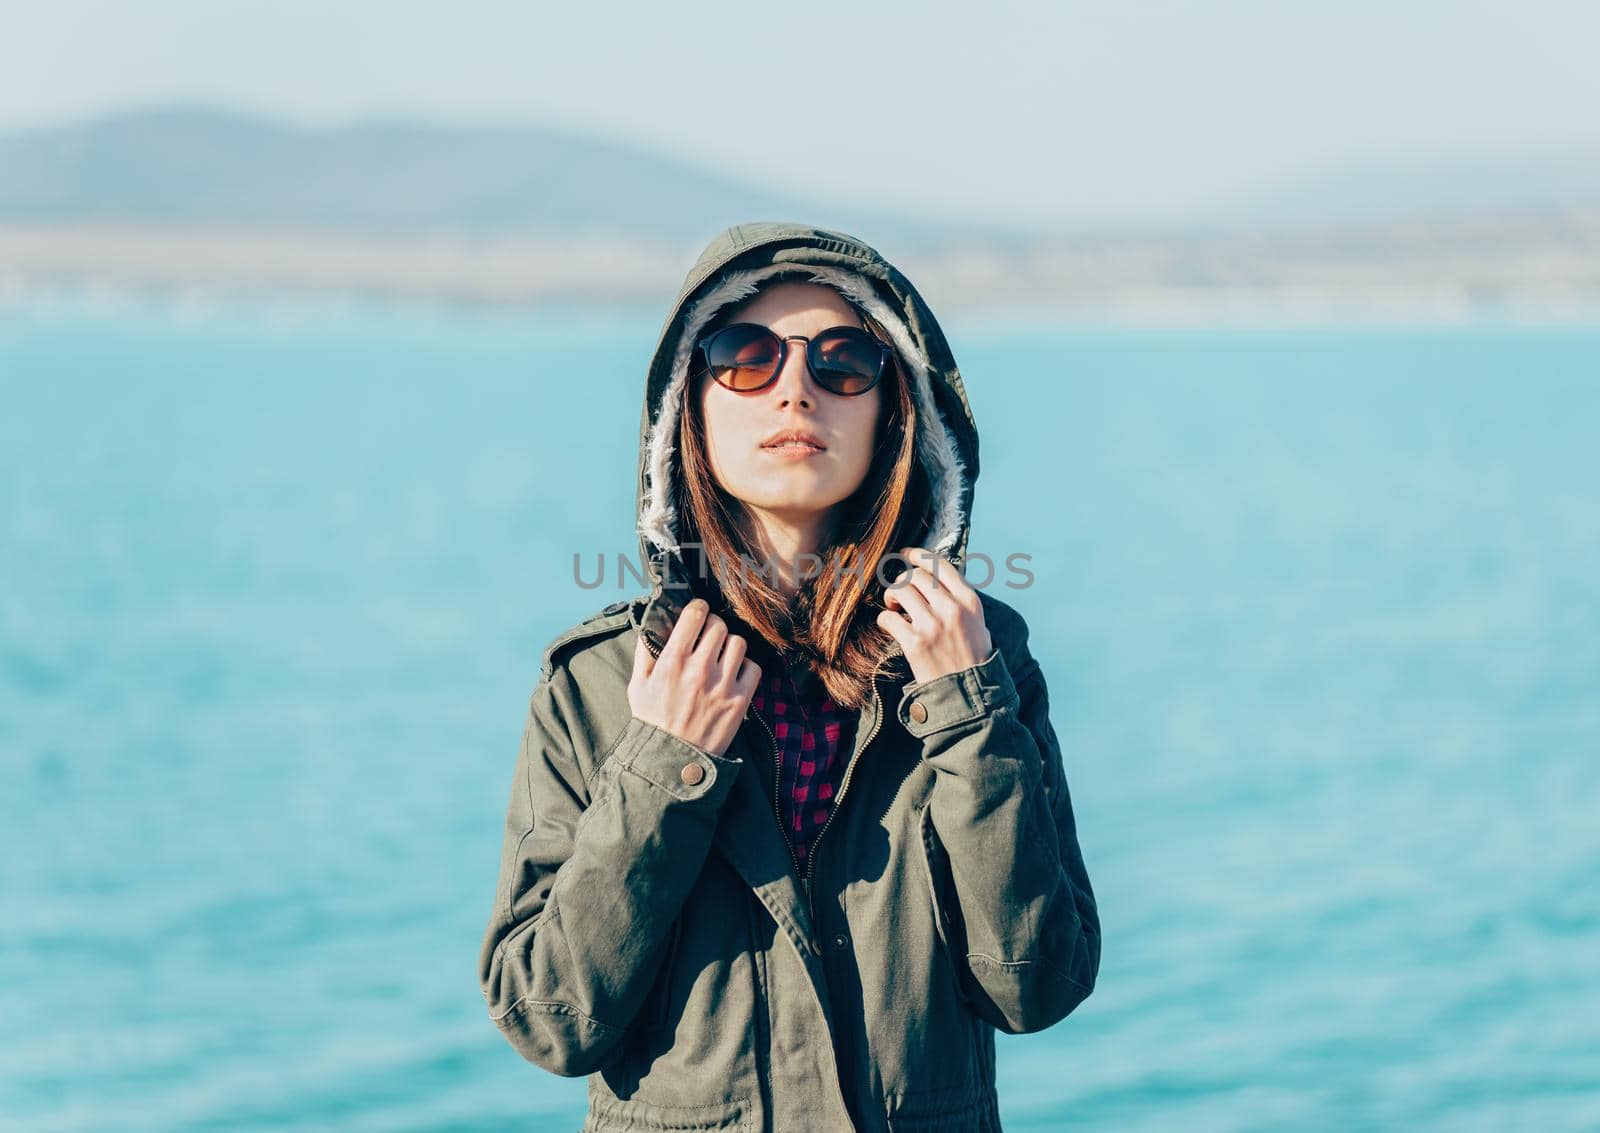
[(831, 621)]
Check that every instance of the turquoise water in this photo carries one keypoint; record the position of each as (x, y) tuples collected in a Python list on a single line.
[(1320, 611)]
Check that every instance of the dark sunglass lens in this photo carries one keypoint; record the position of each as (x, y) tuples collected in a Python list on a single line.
[(742, 356), (848, 361)]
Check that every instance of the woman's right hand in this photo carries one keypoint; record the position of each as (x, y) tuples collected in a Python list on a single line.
[(700, 686)]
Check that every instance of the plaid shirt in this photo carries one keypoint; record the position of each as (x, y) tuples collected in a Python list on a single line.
[(812, 733)]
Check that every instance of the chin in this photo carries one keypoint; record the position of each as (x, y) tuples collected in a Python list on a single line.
[(801, 490), (807, 503)]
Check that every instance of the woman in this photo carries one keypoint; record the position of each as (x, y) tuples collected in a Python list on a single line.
[(787, 845)]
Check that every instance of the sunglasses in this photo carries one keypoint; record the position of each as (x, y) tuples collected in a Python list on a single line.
[(746, 357)]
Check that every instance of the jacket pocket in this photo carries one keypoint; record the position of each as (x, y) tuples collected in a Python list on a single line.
[(609, 1114), (933, 862)]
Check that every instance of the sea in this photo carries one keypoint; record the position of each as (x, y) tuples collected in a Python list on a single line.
[(1318, 606)]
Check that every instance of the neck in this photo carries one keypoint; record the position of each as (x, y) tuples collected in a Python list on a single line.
[(780, 540)]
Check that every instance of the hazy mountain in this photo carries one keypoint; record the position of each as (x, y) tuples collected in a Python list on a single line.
[(195, 165), (1432, 185)]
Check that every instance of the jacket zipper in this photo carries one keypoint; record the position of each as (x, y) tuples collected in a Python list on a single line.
[(777, 785), (844, 786)]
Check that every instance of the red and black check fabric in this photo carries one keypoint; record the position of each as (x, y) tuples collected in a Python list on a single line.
[(812, 733)]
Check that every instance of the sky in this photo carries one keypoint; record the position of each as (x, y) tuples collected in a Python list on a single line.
[(1065, 112)]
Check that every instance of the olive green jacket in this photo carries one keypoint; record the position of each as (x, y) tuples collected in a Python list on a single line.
[(650, 929)]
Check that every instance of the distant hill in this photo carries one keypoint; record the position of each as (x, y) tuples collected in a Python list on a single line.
[(195, 199), (1432, 184), (199, 165), (189, 165)]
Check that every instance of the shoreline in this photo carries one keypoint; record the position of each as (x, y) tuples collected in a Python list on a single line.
[(1545, 272)]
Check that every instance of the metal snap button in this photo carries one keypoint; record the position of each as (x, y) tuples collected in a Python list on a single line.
[(918, 711), (840, 940), (692, 773)]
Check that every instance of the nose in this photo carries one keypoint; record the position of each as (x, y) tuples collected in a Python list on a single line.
[(794, 383)]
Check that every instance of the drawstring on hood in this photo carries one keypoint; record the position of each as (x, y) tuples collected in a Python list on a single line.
[(733, 267)]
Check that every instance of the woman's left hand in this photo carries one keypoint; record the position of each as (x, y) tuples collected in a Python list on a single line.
[(939, 623)]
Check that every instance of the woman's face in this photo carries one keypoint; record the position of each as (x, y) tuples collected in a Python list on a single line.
[(796, 487)]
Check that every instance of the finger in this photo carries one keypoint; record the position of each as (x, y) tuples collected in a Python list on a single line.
[(712, 637), (896, 627), (922, 583), (685, 631), (749, 678), (733, 655), (940, 569), (918, 556), (950, 576), (907, 593)]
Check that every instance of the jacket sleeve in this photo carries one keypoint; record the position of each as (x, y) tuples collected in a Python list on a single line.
[(1025, 933), (593, 873)]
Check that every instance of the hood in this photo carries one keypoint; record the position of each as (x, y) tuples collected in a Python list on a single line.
[(731, 268)]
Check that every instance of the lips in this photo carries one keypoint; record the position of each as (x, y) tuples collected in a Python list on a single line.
[(794, 438)]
